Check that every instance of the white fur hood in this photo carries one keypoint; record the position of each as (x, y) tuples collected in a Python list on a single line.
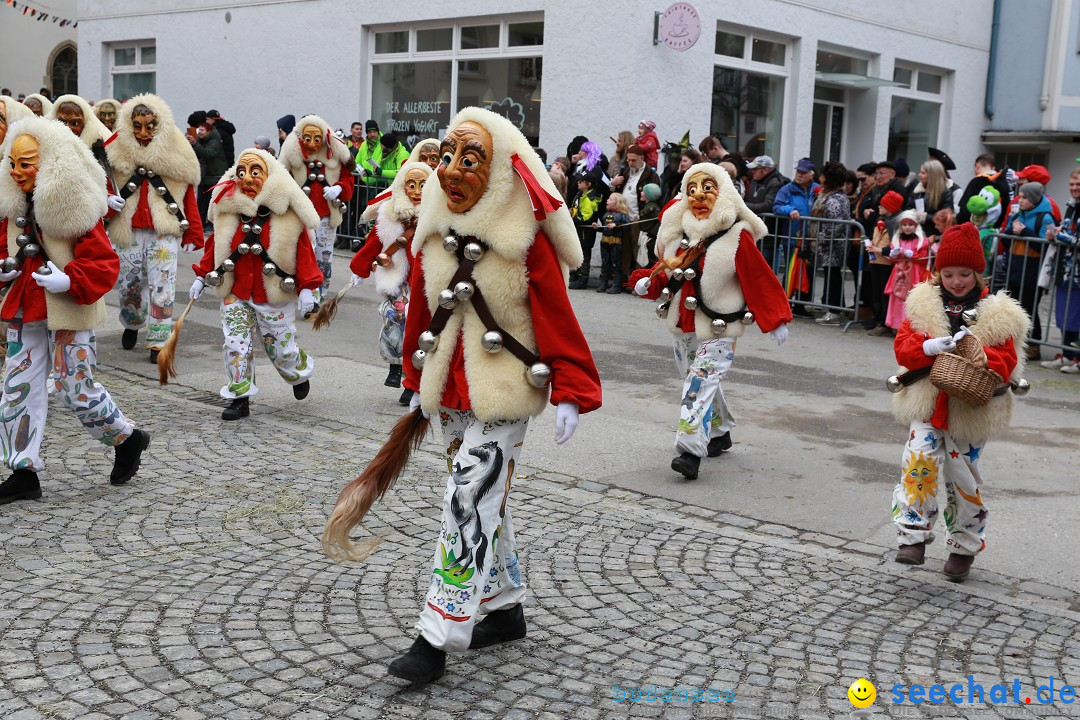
[(334, 153), (400, 207), (93, 130), (678, 220), (279, 193), (169, 154)]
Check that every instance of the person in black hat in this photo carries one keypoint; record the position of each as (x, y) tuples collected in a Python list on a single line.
[(285, 126), (884, 180), (226, 130), (369, 155), (942, 157)]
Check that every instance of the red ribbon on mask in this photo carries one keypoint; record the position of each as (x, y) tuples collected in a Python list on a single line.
[(111, 138), (229, 188), (542, 201)]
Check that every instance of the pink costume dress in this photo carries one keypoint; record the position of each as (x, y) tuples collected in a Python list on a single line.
[(906, 274)]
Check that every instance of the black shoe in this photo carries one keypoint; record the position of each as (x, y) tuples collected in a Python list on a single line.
[(153, 356), (422, 664), (129, 338), (237, 409), (579, 283), (300, 391), (406, 397), (719, 444), (355, 245), (129, 456), (603, 286), (393, 378), (22, 485), (801, 311), (615, 289), (687, 464), (499, 626)]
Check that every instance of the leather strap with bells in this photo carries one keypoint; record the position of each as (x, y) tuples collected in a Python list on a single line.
[(252, 237), (142, 175), (386, 257), (29, 241), (679, 277), (317, 173)]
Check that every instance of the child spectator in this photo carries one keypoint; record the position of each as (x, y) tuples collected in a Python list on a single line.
[(584, 210), (611, 242), (909, 252), (1032, 216), (650, 217), (648, 141), (1065, 267), (876, 276)]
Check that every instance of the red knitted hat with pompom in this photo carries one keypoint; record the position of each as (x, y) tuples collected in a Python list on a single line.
[(960, 247)]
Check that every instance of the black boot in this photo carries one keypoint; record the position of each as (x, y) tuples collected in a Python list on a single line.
[(129, 338), (616, 270), (406, 397), (580, 282), (153, 356), (719, 444), (499, 626), (393, 378), (237, 409), (422, 664), (687, 464), (300, 391), (22, 485), (129, 456)]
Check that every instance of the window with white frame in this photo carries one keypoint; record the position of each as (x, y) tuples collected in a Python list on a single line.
[(749, 82), (133, 68), (915, 116), (423, 74)]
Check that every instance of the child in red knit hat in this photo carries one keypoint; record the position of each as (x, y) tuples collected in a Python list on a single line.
[(878, 270), (947, 435)]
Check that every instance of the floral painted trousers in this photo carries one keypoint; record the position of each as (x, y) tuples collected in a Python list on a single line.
[(323, 244), (392, 335), (703, 411), (70, 356), (148, 284), (244, 322), (475, 570), (932, 458)]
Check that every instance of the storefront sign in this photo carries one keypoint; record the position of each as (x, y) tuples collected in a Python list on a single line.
[(420, 117), (680, 26)]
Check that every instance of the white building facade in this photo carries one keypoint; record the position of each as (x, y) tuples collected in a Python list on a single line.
[(831, 79), (38, 53)]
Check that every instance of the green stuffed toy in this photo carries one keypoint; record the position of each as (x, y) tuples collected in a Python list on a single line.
[(985, 209)]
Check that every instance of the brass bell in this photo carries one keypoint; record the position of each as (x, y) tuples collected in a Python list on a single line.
[(243, 248), (492, 341), (463, 291), (893, 384), (256, 249), (306, 189), (132, 187), (173, 208), (161, 190), (22, 239), (689, 273), (474, 251), (142, 171), (447, 299), (10, 264), (1020, 387), (312, 176), (690, 303), (288, 284), (428, 341), (31, 249), (245, 228), (320, 177), (538, 375), (43, 270), (418, 359), (269, 268), (318, 163), (969, 316), (719, 326), (748, 318), (450, 244), (257, 229), (21, 222), (382, 260), (662, 310), (228, 265), (677, 274), (213, 278), (684, 244), (149, 173), (184, 225)]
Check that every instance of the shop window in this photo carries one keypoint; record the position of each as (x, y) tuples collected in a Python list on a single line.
[(526, 34), (133, 69), (391, 42), (747, 111), (730, 44), (902, 75), (508, 86), (913, 127), (475, 37), (411, 98), (435, 40), (766, 51)]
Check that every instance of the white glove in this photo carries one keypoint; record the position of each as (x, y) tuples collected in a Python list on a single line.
[(307, 301), (331, 192), (414, 403), (642, 286), (938, 345), (894, 253), (116, 203), (908, 253), (9, 276), (188, 247), (566, 420), (356, 280), (196, 289), (780, 334), (55, 282)]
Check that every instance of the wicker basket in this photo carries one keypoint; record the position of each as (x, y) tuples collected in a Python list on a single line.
[(963, 374)]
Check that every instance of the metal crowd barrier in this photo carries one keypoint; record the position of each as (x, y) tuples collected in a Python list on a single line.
[(797, 241), (352, 226)]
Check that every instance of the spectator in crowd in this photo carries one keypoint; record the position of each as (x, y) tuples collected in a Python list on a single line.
[(903, 174), (876, 276), (1031, 173), (885, 180), (585, 211), (1066, 277), (910, 253), (540, 153), (865, 175), (639, 174), (794, 201), (712, 149), (590, 160), (648, 141), (852, 185), (212, 161), (393, 156), (617, 166), (285, 126), (933, 193), (262, 142), (943, 219), (672, 185), (575, 146), (356, 137), (765, 183), (1032, 219), (986, 173), (557, 173), (832, 238), (650, 213), (5, 91), (226, 130), (612, 241), (369, 156)]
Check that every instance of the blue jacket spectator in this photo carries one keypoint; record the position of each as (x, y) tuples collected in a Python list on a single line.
[(795, 199)]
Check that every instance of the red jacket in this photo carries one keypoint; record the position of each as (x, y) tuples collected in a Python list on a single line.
[(347, 184), (247, 277), (93, 273), (361, 262), (650, 143), (143, 219), (559, 340)]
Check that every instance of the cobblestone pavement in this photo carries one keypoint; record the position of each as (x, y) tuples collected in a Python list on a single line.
[(199, 591)]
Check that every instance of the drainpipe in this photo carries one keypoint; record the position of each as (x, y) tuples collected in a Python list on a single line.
[(991, 71)]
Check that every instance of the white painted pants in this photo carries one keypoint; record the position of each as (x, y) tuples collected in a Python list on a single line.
[(323, 244), (475, 569), (148, 284), (703, 410), (70, 356), (932, 458), (275, 326)]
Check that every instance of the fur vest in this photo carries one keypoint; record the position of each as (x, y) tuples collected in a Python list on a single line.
[(1000, 318), (69, 200), (334, 155), (504, 220), (720, 287), (169, 155), (390, 215), (291, 212)]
